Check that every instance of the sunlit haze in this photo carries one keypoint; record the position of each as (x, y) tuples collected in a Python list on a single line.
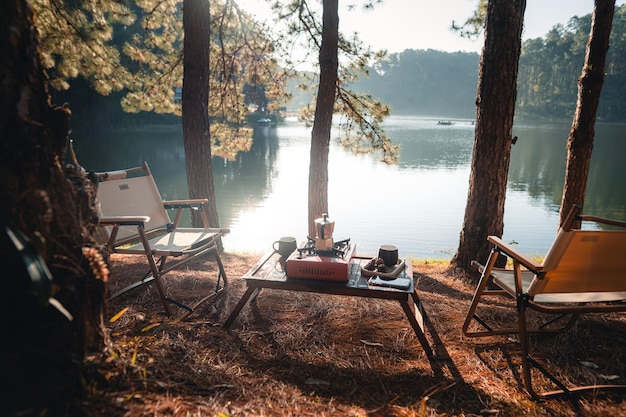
[(396, 25)]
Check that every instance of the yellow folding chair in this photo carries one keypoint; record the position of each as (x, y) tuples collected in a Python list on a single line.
[(583, 272), (134, 220)]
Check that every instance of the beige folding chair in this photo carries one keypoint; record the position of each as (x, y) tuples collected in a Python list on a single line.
[(135, 221), (583, 272)]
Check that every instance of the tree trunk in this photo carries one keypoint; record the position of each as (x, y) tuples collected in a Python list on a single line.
[(495, 108), (580, 140), (195, 103), (320, 136), (42, 352)]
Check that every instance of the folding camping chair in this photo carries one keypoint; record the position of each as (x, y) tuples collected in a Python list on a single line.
[(583, 272), (135, 221)]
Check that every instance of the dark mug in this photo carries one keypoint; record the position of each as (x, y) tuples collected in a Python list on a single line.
[(285, 246), (389, 254)]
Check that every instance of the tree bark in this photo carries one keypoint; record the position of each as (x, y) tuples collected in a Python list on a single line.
[(42, 351), (580, 140), (195, 104), (322, 125), (495, 108)]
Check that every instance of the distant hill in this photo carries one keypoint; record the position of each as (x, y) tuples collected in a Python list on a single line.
[(425, 82), (429, 82)]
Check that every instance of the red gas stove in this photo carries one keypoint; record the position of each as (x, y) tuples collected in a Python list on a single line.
[(312, 263)]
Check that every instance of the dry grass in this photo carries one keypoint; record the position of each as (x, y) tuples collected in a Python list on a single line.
[(301, 354)]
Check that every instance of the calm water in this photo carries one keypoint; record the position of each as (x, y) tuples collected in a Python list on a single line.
[(417, 204)]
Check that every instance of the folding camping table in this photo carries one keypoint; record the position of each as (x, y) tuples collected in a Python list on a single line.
[(267, 273)]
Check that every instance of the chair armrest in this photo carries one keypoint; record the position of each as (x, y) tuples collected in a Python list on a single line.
[(196, 205), (124, 220), (177, 204), (515, 254), (589, 218)]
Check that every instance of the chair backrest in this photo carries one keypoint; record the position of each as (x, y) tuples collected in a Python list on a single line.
[(120, 195), (582, 261)]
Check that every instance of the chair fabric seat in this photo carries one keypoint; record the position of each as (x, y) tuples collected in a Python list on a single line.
[(174, 243), (506, 280)]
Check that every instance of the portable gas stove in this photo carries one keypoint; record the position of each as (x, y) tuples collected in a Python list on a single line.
[(338, 249), (326, 264)]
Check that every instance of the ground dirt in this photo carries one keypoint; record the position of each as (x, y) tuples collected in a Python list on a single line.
[(302, 354)]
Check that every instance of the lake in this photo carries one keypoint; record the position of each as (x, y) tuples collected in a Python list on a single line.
[(417, 204)]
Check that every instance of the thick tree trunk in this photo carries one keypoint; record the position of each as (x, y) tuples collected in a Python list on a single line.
[(320, 136), (495, 108), (195, 103), (41, 352), (580, 140)]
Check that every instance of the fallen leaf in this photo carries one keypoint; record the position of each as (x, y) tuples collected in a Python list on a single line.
[(589, 364), (365, 342), (609, 377), (118, 315), (150, 326), (314, 381)]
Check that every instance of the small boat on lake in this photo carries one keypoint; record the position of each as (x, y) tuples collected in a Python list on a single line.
[(264, 121), (445, 123)]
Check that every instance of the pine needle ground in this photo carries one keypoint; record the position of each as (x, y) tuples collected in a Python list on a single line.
[(302, 354)]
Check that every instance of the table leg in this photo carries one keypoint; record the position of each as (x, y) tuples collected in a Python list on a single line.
[(240, 305), (416, 318), (419, 309)]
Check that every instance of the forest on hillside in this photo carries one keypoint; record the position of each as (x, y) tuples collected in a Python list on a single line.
[(429, 82)]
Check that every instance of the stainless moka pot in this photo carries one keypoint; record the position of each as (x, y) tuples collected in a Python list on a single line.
[(324, 228)]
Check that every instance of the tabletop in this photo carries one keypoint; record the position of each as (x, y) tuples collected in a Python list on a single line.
[(268, 273)]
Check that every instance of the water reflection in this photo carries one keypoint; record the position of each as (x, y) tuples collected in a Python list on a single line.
[(244, 182), (417, 204), (538, 163), (538, 167), (425, 144), (606, 192)]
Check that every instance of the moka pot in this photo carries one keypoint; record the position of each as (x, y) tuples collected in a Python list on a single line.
[(324, 228)]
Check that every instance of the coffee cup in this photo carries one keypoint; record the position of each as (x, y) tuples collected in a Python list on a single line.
[(285, 246), (389, 254)]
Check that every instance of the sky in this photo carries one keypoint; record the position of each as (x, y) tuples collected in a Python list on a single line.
[(396, 25)]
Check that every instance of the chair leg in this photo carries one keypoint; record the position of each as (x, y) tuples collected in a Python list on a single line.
[(156, 273), (156, 270), (222, 271), (523, 339), (147, 279), (218, 290), (570, 322), (478, 294), (528, 363)]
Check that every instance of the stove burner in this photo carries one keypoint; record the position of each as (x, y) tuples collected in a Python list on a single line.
[(338, 250)]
